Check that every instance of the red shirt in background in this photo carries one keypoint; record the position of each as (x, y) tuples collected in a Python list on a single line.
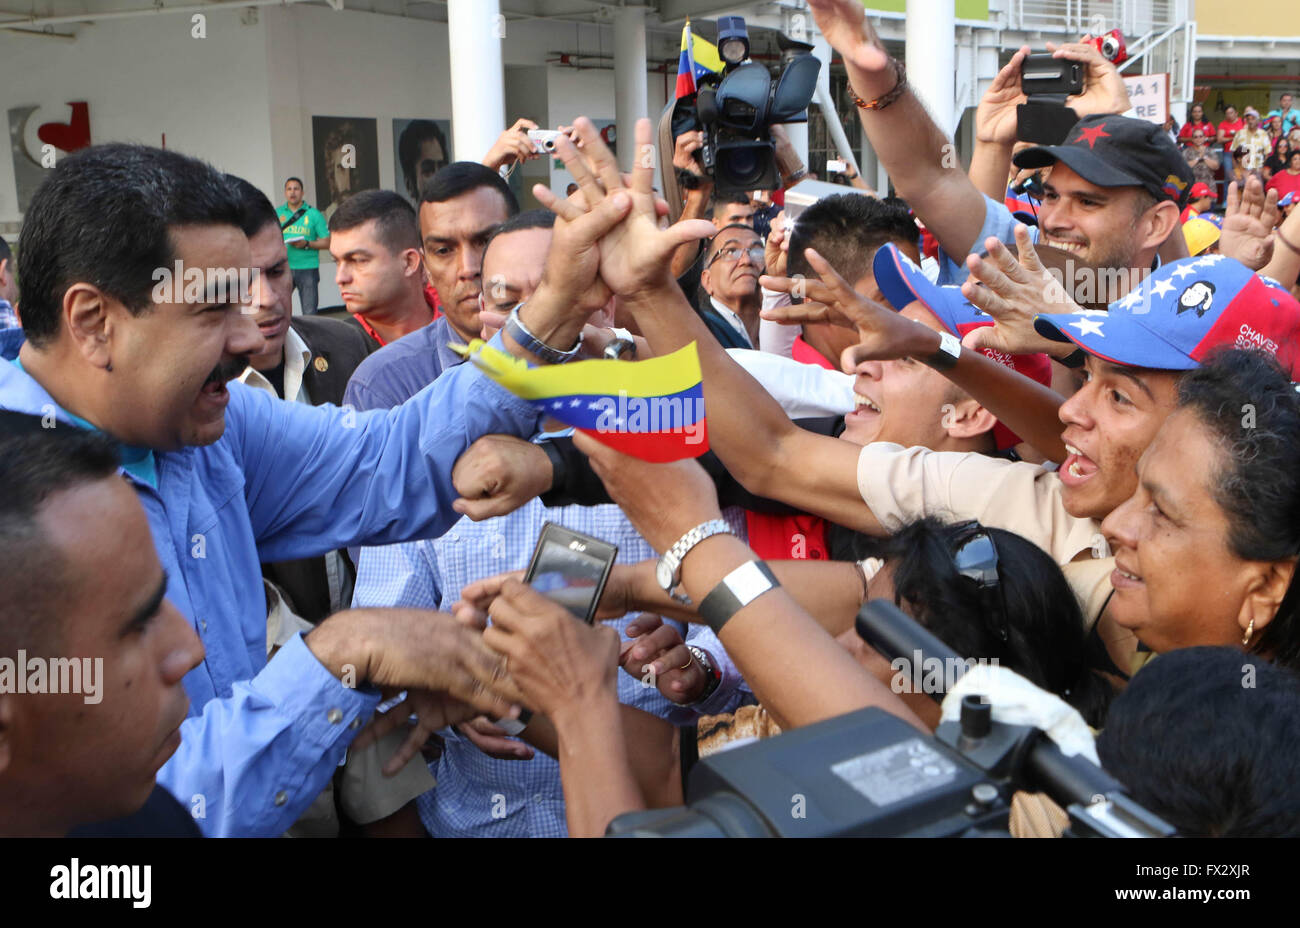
[(1284, 182), (1230, 129), (1207, 127)]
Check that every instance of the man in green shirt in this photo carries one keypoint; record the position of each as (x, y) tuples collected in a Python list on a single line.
[(306, 234)]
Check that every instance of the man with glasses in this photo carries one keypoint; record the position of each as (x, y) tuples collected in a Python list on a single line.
[(732, 263)]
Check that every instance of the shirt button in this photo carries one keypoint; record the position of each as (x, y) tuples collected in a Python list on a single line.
[(537, 797), (281, 798), (335, 716), (203, 624), (354, 724)]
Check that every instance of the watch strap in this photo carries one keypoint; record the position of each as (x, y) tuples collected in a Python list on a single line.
[(736, 591), (673, 556), (712, 675), (534, 345)]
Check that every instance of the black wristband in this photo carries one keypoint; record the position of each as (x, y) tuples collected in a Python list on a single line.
[(736, 591), (559, 469)]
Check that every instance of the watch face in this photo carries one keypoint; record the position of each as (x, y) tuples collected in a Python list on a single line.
[(664, 574)]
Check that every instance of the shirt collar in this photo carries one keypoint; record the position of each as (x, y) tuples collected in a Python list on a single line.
[(297, 355), (732, 318), (137, 461)]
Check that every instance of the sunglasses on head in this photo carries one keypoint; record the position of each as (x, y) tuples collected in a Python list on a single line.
[(975, 556)]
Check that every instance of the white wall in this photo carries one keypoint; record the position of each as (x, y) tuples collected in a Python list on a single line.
[(243, 96), (143, 78)]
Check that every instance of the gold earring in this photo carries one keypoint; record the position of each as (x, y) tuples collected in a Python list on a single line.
[(1250, 630)]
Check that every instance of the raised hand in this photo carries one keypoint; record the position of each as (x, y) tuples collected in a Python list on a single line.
[(512, 146), (634, 255), (882, 333), (844, 24), (995, 117), (776, 252), (1016, 289), (1103, 89), (1248, 223)]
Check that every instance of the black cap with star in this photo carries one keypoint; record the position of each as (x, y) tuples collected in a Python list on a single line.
[(1116, 151)]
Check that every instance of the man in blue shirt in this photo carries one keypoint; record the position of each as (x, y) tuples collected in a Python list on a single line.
[(459, 209), (127, 257)]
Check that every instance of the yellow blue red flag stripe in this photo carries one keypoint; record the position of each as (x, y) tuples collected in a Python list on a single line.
[(651, 409)]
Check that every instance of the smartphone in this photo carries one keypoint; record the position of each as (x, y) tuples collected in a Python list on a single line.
[(571, 569), (543, 139), (1043, 74)]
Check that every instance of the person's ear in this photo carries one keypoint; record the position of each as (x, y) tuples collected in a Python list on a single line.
[(1160, 221), (705, 277), (1264, 594), (86, 314), (413, 262), (5, 270), (967, 419)]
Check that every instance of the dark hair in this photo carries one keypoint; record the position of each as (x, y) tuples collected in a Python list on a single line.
[(528, 219), (846, 230), (1247, 402), (1046, 638), (257, 209), (409, 144), (36, 463), (461, 177), (104, 215), (395, 223), (1207, 738), (727, 199), (298, 179)]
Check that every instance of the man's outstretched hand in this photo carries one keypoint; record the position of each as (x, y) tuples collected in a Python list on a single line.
[(1015, 290)]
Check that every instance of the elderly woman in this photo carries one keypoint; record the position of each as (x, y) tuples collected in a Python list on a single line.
[(1206, 548)]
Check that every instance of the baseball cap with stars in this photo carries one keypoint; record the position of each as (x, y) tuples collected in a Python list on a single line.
[(1182, 312)]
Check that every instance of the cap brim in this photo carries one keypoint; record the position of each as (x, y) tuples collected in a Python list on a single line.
[(1117, 337), (903, 282), (1087, 164)]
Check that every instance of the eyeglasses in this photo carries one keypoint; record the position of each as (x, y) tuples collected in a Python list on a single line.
[(733, 253), (975, 556)]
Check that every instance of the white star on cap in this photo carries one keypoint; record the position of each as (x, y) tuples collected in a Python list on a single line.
[(1162, 288), (1134, 296), (1089, 327), (1184, 270)]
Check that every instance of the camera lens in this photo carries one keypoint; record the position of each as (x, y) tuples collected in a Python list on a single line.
[(549, 144)]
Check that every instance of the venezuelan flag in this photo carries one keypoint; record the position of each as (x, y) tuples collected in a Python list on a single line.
[(653, 409), (699, 58)]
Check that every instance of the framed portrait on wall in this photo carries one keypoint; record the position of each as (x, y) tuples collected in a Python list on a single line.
[(346, 154), (421, 147)]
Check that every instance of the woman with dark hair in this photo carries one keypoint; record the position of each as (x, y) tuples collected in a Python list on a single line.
[(1196, 120), (1206, 548), (1020, 613), (1277, 161)]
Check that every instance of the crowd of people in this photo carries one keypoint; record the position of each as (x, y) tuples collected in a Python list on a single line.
[(1057, 432)]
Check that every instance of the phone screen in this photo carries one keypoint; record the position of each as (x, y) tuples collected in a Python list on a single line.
[(571, 570)]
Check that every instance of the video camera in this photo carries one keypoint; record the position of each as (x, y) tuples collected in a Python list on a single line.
[(869, 774), (737, 111)]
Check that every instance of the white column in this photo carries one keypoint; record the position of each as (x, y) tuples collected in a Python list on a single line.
[(931, 42), (630, 93), (475, 29)]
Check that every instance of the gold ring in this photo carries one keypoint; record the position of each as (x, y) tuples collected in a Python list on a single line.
[(688, 663)]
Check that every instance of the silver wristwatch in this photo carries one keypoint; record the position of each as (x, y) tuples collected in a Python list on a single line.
[(669, 570)]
